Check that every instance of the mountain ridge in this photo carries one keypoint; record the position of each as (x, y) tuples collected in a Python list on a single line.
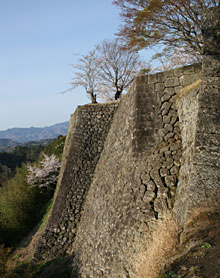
[(23, 135)]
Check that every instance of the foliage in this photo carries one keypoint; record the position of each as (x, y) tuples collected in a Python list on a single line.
[(20, 205), (174, 24), (29, 153), (12, 160), (206, 245), (4, 254), (5, 173), (172, 275), (56, 147), (45, 174), (18, 155), (10, 268), (7, 271)]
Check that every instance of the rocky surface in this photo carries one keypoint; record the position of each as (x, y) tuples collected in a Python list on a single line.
[(88, 128), (136, 176)]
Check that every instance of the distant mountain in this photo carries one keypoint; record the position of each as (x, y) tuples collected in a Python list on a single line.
[(23, 135)]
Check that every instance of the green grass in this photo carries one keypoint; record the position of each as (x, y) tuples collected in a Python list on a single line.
[(172, 275), (206, 245)]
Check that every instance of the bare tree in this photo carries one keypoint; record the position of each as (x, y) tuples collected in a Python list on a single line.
[(105, 71), (118, 67), (86, 74)]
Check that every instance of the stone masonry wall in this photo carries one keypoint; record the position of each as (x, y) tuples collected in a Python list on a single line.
[(199, 185), (136, 175), (88, 129)]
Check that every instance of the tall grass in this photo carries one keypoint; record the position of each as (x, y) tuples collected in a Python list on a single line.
[(165, 240)]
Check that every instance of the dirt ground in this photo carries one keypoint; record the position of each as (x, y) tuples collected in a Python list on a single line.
[(202, 261)]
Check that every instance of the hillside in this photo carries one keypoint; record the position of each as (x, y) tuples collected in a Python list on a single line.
[(23, 135), (6, 144)]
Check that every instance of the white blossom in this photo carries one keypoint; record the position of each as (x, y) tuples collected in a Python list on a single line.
[(45, 175)]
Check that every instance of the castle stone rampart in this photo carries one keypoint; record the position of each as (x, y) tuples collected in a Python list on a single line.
[(88, 128), (199, 185), (136, 173), (121, 168)]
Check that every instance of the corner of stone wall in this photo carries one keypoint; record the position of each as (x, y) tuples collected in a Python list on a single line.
[(199, 185), (85, 139)]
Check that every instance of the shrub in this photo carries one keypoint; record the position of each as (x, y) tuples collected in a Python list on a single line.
[(23, 197), (19, 208), (56, 147), (4, 254)]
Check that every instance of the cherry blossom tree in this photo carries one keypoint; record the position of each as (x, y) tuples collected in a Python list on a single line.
[(44, 175)]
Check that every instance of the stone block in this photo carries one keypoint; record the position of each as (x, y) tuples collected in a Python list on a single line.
[(160, 77), (152, 79), (170, 181), (164, 112), (187, 79), (189, 70), (168, 136), (168, 73), (165, 97), (170, 91), (159, 87), (172, 82), (164, 172), (166, 119), (166, 105), (169, 127), (178, 72)]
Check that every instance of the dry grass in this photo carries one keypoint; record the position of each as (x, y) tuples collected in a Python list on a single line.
[(165, 240), (188, 89), (170, 242)]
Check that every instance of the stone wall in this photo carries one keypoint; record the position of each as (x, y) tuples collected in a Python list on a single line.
[(199, 185), (87, 131), (136, 175), (121, 169)]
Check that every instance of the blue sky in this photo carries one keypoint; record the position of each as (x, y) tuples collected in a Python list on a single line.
[(38, 40)]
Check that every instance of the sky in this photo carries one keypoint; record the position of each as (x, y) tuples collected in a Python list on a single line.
[(38, 43)]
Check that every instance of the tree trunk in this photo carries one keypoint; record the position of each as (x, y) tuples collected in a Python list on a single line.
[(118, 94), (93, 98)]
